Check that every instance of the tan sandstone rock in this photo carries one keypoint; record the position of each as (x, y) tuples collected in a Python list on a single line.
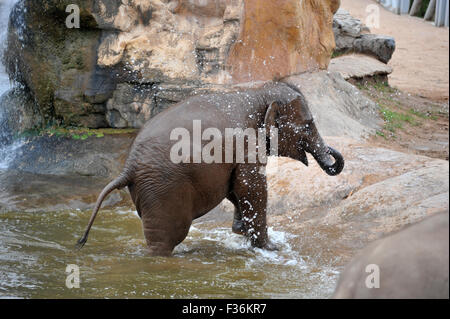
[(284, 37), (220, 41), (378, 192)]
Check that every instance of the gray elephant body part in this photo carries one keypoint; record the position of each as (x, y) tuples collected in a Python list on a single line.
[(411, 264), (169, 196)]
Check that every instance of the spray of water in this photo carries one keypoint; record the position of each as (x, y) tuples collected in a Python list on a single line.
[(8, 147)]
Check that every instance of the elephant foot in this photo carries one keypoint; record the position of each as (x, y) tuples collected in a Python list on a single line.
[(238, 227), (160, 250), (270, 246), (266, 245)]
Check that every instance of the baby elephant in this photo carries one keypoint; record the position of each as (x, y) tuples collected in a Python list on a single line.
[(173, 182)]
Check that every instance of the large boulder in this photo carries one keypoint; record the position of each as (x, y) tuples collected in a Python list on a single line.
[(331, 97), (353, 36), (140, 48)]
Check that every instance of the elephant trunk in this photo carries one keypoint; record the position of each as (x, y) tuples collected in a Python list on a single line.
[(325, 160)]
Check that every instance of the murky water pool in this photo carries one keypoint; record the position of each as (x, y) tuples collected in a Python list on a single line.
[(35, 249)]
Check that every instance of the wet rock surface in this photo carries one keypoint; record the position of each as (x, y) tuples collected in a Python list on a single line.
[(18, 114), (57, 64), (64, 156), (51, 173), (33, 193)]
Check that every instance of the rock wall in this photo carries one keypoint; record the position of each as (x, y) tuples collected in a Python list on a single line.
[(58, 65), (130, 59)]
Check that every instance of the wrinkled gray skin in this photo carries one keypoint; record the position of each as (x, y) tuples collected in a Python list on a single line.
[(169, 196), (413, 264)]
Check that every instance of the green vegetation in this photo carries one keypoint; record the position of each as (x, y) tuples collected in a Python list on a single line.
[(391, 104), (377, 84), (336, 54), (395, 120), (423, 115), (76, 133), (380, 133), (384, 86)]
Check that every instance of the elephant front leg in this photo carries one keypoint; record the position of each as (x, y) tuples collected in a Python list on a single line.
[(250, 191), (238, 225)]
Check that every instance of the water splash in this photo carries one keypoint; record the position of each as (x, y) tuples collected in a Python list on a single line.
[(5, 10), (8, 154), (232, 243), (8, 146)]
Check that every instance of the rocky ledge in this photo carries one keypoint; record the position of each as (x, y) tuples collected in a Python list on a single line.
[(353, 36), (360, 67)]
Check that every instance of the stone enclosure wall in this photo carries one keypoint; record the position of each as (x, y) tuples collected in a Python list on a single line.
[(132, 58)]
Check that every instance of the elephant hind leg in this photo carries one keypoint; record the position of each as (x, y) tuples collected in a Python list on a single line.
[(132, 190), (158, 243), (166, 221)]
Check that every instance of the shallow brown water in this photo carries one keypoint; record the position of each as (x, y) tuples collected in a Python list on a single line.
[(35, 249)]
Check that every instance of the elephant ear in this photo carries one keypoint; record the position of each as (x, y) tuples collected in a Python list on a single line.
[(271, 117)]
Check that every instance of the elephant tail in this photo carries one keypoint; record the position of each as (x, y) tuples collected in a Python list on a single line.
[(119, 183)]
